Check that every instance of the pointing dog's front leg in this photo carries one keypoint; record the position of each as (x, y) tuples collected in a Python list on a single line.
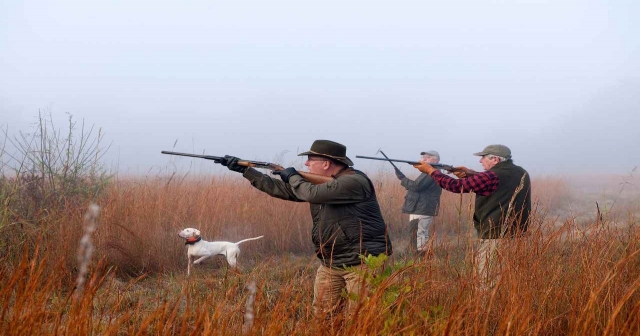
[(197, 261), (189, 261)]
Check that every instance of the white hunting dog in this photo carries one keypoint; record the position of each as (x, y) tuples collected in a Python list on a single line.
[(204, 249)]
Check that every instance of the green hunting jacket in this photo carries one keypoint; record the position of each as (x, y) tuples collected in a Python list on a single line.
[(423, 196), (504, 213), (347, 221)]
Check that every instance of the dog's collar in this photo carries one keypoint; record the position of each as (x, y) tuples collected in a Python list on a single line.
[(191, 241)]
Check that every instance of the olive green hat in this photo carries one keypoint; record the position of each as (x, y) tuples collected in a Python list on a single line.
[(330, 149), (497, 150)]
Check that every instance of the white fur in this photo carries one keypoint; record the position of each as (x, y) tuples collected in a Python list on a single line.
[(204, 249)]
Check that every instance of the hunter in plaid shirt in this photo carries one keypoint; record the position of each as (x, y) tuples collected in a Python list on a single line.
[(483, 184), (498, 193)]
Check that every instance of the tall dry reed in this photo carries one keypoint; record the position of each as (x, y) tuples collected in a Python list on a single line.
[(568, 277)]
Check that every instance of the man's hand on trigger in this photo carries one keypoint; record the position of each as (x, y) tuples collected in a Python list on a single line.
[(425, 167), (285, 174), (463, 172)]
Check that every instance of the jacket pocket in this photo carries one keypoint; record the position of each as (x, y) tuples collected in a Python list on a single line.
[(352, 230), (410, 201), (329, 237)]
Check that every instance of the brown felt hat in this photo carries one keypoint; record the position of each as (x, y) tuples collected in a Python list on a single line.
[(330, 149)]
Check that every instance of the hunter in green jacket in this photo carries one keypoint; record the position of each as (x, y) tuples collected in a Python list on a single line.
[(347, 221)]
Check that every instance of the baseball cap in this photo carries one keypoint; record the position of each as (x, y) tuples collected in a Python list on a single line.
[(498, 150), (431, 153)]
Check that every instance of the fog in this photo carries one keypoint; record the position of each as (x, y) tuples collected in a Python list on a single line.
[(556, 81)]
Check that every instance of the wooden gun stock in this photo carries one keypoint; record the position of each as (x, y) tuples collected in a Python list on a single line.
[(313, 178)]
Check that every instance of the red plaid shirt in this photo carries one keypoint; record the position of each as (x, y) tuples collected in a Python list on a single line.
[(483, 184)]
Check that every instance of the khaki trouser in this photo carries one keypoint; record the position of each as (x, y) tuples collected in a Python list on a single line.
[(327, 291), (485, 258), (419, 228)]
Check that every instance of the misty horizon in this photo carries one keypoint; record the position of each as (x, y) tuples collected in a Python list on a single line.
[(558, 83)]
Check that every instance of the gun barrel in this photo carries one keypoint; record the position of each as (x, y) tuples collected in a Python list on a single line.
[(385, 159), (385, 155), (313, 178), (246, 163), (208, 157), (434, 165)]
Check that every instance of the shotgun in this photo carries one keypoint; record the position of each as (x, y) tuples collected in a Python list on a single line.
[(313, 178), (386, 157), (434, 165)]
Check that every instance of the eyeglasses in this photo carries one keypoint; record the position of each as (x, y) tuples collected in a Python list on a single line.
[(316, 159)]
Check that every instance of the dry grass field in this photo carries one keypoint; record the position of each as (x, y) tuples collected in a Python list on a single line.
[(576, 274)]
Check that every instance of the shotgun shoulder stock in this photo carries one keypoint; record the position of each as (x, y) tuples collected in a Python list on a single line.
[(315, 178)]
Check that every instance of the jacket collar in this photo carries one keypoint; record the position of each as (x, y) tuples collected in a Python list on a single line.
[(503, 164), (344, 170)]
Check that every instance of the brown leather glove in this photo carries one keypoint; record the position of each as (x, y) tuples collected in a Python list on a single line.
[(425, 167)]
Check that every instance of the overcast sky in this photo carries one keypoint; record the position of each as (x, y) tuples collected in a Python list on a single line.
[(556, 81)]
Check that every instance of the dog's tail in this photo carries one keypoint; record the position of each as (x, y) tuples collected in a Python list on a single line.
[(248, 239)]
